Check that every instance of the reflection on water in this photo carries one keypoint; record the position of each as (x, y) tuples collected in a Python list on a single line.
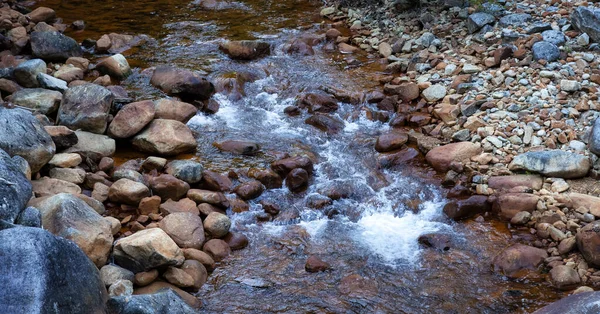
[(369, 236)]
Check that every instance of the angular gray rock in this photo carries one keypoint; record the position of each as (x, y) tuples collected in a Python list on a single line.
[(26, 73), (42, 100), (478, 20), (85, 107), (14, 188), (23, 135), (29, 217), (554, 36), (553, 163), (516, 19), (594, 139), (54, 46), (585, 302), (50, 82), (93, 144), (40, 271), (545, 50), (587, 20), (165, 301)]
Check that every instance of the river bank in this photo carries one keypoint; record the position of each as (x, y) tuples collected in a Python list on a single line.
[(288, 166)]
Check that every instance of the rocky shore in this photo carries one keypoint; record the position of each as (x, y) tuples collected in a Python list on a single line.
[(505, 97)]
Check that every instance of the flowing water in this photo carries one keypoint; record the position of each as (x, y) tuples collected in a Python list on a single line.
[(370, 236)]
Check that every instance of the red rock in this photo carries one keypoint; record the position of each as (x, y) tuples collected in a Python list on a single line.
[(297, 180), (505, 183), (441, 157), (217, 249), (509, 204), (318, 103), (215, 181), (390, 141), (463, 209), (246, 49), (168, 187), (314, 265), (515, 260), (131, 119), (249, 190), (236, 241), (284, 166), (269, 178)]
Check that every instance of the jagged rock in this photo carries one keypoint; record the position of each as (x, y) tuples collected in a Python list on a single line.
[(54, 46), (478, 20), (587, 20), (26, 73), (14, 188), (43, 100)]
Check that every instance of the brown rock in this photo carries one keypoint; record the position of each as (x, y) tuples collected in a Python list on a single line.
[(145, 278), (131, 119), (185, 229), (250, 190), (203, 196), (62, 136), (506, 183), (246, 49), (314, 265), (178, 277), (564, 277), (127, 192), (390, 141), (174, 110), (356, 286), (502, 53), (332, 34), (184, 205), (318, 103), (196, 271), (325, 123), (47, 186), (516, 259), (217, 224), (200, 256), (147, 249), (215, 181), (238, 147), (238, 205), (508, 205), (441, 157), (236, 241), (168, 187), (184, 83), (284, 166), (217, 249), (149, 205), (158, 286), (165, 137), (588, 242), (42, 14), (297, 180), (462, 209), (206, 209), (269, 178), (592, 203)]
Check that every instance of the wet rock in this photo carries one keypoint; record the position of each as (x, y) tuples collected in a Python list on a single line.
[(564, 277), (26, 73), (315, 265), (269, 178), (588, 242), (127, 192), (517, 258), (163, 301), (398, 158), (203, 196), (47, 186), (23, 135), (131, 119), (35, 264), (552, 163), (39, 99), (299, 47), (441, 157), (71, 218), (245, 49), (217, 249), (165, 138), (53, 46), (238, 147), (217, 225), (462, 209), (297, 180), (169, 187), (147, 249), (249, 190), (325, 123), (438, 241), (85, 107), (111, 274), (116, 66), (543, 50), (478, 20), (181, 82), (509, 204), (89, 144), (236, 241), (354, 286), (390, 141), (14, 188), (174, 110), (185, 205), (587, 20), (185, 229), (189, 171), (506, 183), (284, 166), (318, 103)]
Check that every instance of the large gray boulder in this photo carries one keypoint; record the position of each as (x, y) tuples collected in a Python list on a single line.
[(594, 139), (26, 73), (164, 302), (587, 20), (54, 46), (543, 50), (67, 216), (15, 189), (23, 135), (552, 163), (43, 273), (85, 107), (580, 303)]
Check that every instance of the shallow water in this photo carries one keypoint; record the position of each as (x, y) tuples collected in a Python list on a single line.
[(370, 237)]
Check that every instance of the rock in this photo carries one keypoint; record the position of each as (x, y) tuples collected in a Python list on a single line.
[(249, 190), (42, 14), (168, 187), (178, 277), (269, 178), (36, 263), (318, 103), (116, 66), (515, 19), (586, 302), (196, 271), (217, 225), (53, 46), (47, 187), (554, 37), (85, 107), (594, 138), (110, 274), (69, 73), (14, 187), (246, 49), (552, 163), (165, 138), (507, 183), (23, 135), (174, 110), (202, 257), (297, 180), (164, 301), (315, 265), (147, 249), (203, 196), (26, 73), (284, 166), (217, 249), (434, 93), (71, 218), (127, 192), (185, 229), (569, 85), (439, 241), (390, 142), (120, 288), (62, 136), (587, 20), (478, 20), (41, 100), (543, 50), (184, 205), (588, 242), (521, 218), (238, 147), (49, 82), (65, 160), (578, 200), (92, 144), (509, 204), (462, 209), (564, 277), (441, 157), (236, 241), (567, 245), (189, 171), (183, 83), (145, 278), (131, 119), (76, 176), (385, 49), (325, 123), (517, 258)]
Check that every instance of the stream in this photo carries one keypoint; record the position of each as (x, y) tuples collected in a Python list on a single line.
[(370, 235)]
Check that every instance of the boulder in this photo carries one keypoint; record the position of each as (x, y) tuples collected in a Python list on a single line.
[(554, 37), (478, 20), (587, 20), (14, 187), (185, 205), (71, 218), (585, 302), (236, 241), (147, 249), (297, 180), (29, 217), (217, 224), (54, 46), (249, 190), (518, 258), (69, 73), (76, 176), (85, 107), (26, 73), (238, 147), (284, 166), (564, 277), (325, 123), (318, 103), (90, 144), (127, 192), (174, 110), (169, 187), (390, 142), (181, 82), (588, 242), (158, 286), (65, 160), (42, 14), (515, 19), (543, 50), (189, 171), (164, 301), (23, 135), (131, 119), (246, 49), (462, 209), (41, 100), (552, 163), (217, 249), (116, 66), (441, 157), (269, 178), (218, 182), (185, 229), (165, 138), (509, 204), (591, 203), (40, 271), (197, 271), (200, 256)]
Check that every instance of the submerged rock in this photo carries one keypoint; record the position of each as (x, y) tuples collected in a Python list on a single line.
[(246, 49)]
